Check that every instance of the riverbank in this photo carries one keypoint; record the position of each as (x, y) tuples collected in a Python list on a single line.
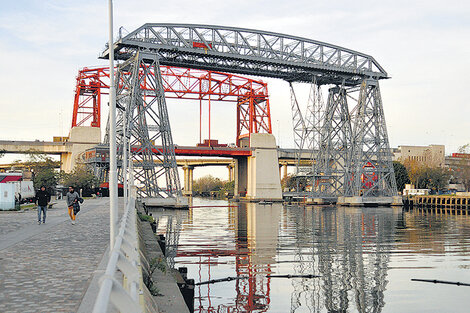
[(161, 280)]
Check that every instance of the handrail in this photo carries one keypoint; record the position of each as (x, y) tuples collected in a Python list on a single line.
[(125, 257)]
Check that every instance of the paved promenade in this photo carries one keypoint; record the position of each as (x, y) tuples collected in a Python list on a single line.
[(49, 267)]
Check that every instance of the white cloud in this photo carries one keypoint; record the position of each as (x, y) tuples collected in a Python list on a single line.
[(422, 44)]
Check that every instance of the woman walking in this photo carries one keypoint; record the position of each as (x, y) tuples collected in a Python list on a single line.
[(72, 197)]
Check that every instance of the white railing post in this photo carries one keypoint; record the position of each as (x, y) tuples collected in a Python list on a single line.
[(124, 256)]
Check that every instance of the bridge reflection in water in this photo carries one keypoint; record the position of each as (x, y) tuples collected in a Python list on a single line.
[(349, 249)]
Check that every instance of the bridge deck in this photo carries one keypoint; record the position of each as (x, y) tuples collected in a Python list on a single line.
[(49, 267)]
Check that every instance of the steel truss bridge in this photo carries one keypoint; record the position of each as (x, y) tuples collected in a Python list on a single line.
[(251, 96), (354, 158)]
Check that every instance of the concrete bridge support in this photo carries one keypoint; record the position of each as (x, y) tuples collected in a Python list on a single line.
[(188, 180), (283, 166), (257, 176), (231, 172), (80, 139)]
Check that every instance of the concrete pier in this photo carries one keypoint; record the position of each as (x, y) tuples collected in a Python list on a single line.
[(370, 201), (257, 176), (175, 203)]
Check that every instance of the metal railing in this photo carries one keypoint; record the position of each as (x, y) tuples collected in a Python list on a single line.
[(126, 296)]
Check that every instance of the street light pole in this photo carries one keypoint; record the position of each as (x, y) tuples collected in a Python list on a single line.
[(113, 187)]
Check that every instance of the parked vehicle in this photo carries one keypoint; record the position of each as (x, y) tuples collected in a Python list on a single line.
[(24, 189), (10, 177)]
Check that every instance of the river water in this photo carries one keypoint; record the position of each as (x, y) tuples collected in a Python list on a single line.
[(366, 257)]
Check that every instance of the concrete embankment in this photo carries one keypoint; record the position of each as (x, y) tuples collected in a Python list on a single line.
[(164, 285)]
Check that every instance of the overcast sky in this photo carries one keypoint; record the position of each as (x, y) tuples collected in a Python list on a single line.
[(423, 45)]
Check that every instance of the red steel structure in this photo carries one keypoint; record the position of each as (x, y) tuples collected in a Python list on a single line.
[(251, 96)]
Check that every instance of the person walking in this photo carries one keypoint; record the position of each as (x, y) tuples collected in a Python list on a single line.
[(72, 197), (42, 200)]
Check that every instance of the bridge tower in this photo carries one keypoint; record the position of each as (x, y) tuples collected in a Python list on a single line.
[(307, 133), (371, 174), (144, 114), (335, 145)]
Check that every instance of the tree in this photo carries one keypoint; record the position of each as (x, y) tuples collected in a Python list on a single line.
[(434, 178), (228, 188), (413, 169), (47, 177), (401, 175), (43, 170), (80, 178), (427, 175), (207, 184), (287, 181)]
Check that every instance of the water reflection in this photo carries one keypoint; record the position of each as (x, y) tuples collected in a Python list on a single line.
[(349, 248)]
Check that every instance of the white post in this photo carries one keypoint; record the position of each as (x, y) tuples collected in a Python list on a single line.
[(113, 187)]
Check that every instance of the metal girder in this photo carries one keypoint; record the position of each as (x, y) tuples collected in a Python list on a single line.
[(372, 173), (335, 145), (247, 51), (251, 95), (145, 114), (253, 115)]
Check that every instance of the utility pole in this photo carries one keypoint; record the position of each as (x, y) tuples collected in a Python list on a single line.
[(113, 187)]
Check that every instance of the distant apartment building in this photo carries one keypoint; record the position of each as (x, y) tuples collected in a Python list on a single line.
[(432, 155)]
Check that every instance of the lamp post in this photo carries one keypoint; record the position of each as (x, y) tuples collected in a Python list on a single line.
[(113, 188)]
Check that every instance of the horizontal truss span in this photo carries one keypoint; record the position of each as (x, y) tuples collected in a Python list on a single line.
[(252, 52), (251, 96), (184, 83)]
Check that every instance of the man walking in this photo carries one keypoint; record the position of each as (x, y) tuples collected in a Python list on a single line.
[(42, 200), (72, 197)]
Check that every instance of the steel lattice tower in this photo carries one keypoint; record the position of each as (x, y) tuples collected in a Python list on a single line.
[(145, 115), (335, 145), (299, 127), (371, 166), (307, 129)]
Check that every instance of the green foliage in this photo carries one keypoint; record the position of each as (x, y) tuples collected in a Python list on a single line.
[(286, 181), (154, 291), (291, 182), (160, 265), (145, 218), (207, 184), (80, 178), (227, 189), (401, 175), (155, 263), (434, 178), (43, 170), (46, 177)]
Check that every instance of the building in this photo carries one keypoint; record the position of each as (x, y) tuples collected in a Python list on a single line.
[(432, 155), (459, 166)]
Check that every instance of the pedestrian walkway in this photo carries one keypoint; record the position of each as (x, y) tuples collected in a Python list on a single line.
[(48, 267)]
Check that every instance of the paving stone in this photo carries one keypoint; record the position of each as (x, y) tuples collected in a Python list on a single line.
[(50, 271)]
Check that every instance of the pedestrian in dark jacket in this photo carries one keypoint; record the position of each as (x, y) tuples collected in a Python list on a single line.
[(72, 198), (42, 200)]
